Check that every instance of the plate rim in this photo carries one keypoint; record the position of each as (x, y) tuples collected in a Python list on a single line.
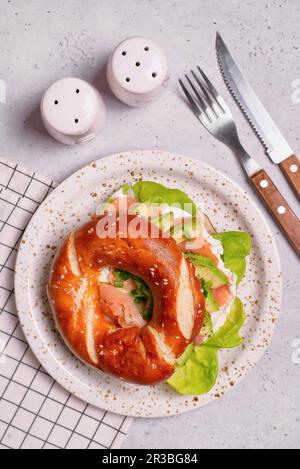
[(49, 364)]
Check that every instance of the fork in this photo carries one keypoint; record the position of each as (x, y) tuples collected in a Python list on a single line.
[(214, 114)]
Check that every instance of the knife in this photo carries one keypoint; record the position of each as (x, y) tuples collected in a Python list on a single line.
[(275, 144)]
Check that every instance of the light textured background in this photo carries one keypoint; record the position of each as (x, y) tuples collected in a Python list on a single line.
[(43, 41)]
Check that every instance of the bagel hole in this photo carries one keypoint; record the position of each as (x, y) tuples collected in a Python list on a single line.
[(139, 291)]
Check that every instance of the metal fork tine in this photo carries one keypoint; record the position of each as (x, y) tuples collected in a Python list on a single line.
[(209, 84), (211, 88), (208, 97), (201, 103), (190, 99)]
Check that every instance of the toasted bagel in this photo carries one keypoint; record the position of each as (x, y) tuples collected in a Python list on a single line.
[(144, 353)]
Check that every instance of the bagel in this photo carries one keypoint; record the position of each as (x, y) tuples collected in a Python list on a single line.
[(134, 349)]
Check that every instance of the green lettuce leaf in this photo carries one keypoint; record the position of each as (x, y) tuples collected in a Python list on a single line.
[(228, 335), (207, 328), (126, 188), (152, 192), (186, 355), (236, 245), (198, 373)]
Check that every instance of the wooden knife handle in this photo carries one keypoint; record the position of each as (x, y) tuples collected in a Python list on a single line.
[(278, 207), (291, 169)]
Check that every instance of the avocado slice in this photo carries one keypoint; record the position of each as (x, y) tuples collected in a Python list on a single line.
[(183, 231), (199, 260), (210, 303), (164, 222), (189, 229), (176, 231), (213, 275)]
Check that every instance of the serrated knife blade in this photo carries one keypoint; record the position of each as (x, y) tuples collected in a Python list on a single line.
[(275, 144)]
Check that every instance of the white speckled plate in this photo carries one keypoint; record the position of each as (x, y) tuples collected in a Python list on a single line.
[(70, 205)]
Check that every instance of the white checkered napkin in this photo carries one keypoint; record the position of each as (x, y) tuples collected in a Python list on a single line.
[(35, 411)]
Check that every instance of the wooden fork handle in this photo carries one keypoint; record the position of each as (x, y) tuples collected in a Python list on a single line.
[(278, 207), (291, 169)]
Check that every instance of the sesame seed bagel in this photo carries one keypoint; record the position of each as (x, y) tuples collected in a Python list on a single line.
[(144, 353)]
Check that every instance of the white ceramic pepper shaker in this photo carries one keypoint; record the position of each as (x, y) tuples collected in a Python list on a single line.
[(72, 111), (137, 71)]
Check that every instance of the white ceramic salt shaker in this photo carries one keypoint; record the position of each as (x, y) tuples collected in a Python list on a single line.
[(72, 110), (137, 71)]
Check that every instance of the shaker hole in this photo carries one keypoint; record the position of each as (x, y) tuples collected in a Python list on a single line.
[(137, 64), (76, 121), (77, 91), (146, 48), (124, 52), (56, 102), (154, 74), (127, 79)]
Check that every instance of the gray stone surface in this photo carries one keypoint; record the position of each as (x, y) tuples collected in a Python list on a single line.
[(43, 41)]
